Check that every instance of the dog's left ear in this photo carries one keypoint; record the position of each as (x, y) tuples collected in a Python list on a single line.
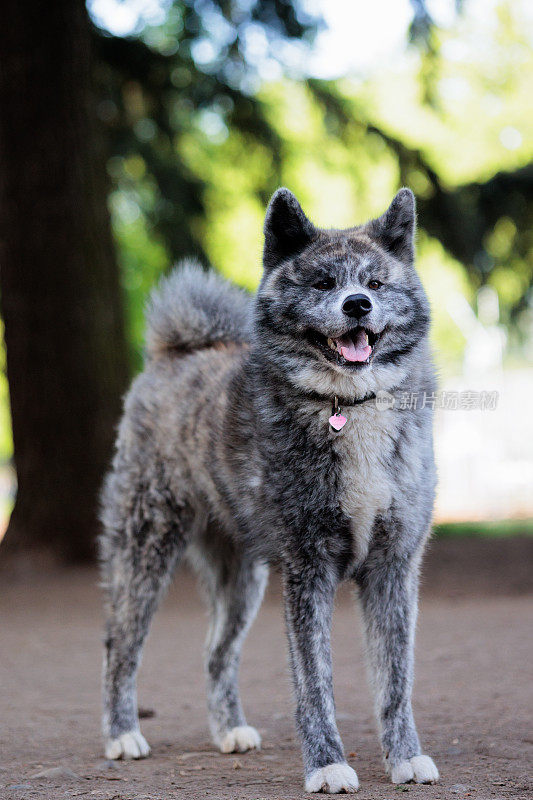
[(395, 229), (287, 229)]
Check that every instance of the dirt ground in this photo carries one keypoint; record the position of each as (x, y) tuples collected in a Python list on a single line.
[(473, 689)]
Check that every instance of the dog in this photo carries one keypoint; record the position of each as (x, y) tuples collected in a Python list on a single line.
[(254, 437)]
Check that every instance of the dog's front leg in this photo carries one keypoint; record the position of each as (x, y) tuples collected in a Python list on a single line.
[(388, 584), (308, 608)]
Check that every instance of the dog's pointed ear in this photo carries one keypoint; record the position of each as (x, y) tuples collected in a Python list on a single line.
[(287, 229), (395, 229)]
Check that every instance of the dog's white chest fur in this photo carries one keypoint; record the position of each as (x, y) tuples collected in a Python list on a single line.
[(365, 446)]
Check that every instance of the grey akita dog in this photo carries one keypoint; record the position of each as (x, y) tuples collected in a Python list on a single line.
[(253, 437)]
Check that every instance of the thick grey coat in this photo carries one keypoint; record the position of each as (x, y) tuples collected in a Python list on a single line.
[(225, 455)]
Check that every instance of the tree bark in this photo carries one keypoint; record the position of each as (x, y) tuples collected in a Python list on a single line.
[(59, 284)]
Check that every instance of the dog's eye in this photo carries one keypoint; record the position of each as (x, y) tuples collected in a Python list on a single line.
[(325, 284), (374, 284)]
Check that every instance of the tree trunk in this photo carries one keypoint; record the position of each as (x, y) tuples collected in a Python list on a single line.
[(60, 293)]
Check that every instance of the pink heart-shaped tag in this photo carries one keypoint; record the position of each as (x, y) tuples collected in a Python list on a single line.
[(337, 421)]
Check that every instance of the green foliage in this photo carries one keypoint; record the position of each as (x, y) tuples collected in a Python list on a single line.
[(200, 142), (174, 99), (143, 256), (6, 442), (492, 528)]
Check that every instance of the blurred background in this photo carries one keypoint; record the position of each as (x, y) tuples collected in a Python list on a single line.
[(136, 132)]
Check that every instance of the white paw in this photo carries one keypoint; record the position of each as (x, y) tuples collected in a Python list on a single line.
[(333, 779), (127, 745), (419, 769), (240, 739)]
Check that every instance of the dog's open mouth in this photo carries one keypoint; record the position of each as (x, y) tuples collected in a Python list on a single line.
[(352, 349)]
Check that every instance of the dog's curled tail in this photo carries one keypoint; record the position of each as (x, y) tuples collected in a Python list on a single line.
[(192, 308)]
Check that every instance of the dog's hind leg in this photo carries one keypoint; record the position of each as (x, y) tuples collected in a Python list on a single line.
[(139, 554), (235, 588)]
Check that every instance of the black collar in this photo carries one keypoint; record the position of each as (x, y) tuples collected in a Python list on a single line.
[(341, 401)]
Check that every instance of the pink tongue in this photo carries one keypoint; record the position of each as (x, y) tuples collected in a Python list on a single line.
[(354, 351)]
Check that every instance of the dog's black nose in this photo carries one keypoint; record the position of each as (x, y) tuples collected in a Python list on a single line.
[(357, 305)]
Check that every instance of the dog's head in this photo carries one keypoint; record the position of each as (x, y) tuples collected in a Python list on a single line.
[(342, 311)]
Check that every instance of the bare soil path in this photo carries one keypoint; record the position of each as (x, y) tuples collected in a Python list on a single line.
[(473, 692)]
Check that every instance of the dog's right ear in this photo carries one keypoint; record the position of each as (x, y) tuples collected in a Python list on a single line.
[(287, 229)]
